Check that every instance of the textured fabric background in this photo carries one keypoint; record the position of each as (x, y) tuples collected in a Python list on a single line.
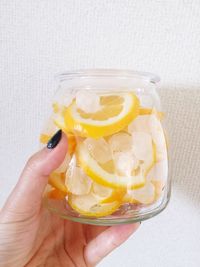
[(42, 37)]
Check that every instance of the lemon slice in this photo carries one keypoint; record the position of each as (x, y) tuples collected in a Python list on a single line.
[(149, 111), (101, 176), (56, 194), (158, 137), (107, 194), (58, 118), (78, 183), (71, 139), (57, 180), (59, 122), (152, 162), (144, 195), (116, 112), (89, 205), (44, 138)]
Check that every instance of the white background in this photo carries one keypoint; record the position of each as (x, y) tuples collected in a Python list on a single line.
[(39, 38)]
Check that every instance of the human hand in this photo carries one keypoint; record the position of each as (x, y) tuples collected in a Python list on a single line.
[(31, 236)]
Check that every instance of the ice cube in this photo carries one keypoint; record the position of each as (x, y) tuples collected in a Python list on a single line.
[(120, 142), (125, 162), (140, 124), (88, 101), (99, 149), (63, 98), (142, 145), (77, 182), (151, 125), (144, 195)]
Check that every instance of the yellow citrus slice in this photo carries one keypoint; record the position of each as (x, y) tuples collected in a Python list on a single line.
[(59, 122), (101, 176), (57, 180), (153, 160), (58, 119), (116, 112), (56, 194), (107, 194), (78, 183), (44, 138), (61, 102), (89, 205), (71, 143), (101, 190), (149, 111)]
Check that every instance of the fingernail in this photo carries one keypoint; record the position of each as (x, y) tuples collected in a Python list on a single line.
[(140, 222), (54, 140)]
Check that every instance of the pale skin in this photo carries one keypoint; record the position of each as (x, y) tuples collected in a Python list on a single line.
[(31, 236)]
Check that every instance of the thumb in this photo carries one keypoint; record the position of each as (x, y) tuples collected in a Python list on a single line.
[(26, 197)]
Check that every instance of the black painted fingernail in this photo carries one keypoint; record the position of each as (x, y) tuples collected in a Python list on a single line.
[(54, 139), (140, 222)]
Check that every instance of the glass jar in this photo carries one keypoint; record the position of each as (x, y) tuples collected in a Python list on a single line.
[(116, 167)]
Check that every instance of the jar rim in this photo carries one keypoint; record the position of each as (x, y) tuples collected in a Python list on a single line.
[(102, 73)]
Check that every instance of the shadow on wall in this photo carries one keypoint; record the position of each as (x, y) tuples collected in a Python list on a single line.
[(182, 108)]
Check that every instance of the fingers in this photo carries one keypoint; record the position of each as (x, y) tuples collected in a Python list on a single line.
[(92, 231), (27, 195), (107, 241)]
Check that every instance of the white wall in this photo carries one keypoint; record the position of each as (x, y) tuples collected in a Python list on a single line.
[(39, 38)]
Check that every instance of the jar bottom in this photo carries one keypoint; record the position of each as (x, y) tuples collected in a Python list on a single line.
[(127, 213)]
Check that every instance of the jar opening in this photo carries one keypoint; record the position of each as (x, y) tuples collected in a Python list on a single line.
[(106, 73)]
